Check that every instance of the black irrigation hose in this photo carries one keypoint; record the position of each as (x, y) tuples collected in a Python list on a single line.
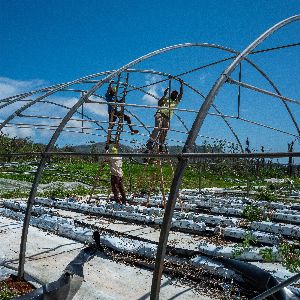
[(275, 48)]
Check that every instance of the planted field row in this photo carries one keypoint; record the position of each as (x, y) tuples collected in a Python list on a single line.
[(264, 232), (207, 259)]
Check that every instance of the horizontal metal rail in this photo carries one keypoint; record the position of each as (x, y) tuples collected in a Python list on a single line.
[(116, 104), (73, 131), (162, 155), (137, 125), (38, 126), (141, 105), (53, 127), (48, 125), (100, 122), (194, 111)]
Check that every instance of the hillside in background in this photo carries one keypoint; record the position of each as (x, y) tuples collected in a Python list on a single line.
[(100, 148), (20, 145)]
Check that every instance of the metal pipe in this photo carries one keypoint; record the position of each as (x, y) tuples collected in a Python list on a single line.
[(28, 214), (182, 163), (213, 46), (47, 125), (61, 105), (222, 48), (239, 90), (193, 111), (163, 155), (74, 109), (146, 126), (21, 109), (147, 106)]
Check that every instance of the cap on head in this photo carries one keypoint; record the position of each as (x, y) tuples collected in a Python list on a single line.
[(114, 150)]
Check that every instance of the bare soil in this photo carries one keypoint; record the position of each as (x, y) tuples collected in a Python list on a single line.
[(15, 286)]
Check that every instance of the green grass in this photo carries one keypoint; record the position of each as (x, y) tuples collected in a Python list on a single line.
[(140, 178)]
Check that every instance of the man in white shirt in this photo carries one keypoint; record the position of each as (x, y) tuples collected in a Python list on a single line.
[(116, 178)]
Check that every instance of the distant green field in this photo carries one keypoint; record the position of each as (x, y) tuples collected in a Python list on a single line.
[(146, 178)]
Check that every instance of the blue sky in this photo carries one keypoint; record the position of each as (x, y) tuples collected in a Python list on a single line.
[(48, 42)]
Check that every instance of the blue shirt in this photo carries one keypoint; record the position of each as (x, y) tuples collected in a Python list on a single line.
[(109, 98)]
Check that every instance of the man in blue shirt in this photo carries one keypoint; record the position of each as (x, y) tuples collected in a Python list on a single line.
[(113, 110)]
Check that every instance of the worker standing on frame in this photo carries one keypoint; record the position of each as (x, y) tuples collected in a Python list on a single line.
[(113, 112), (162, 118)]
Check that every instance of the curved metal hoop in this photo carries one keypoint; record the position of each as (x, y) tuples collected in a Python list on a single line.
[(62, 87), (181, 164)]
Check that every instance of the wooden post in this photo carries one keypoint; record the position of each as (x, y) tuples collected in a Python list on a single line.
[(121, 117), (162, 184), (290, 161), (111, 117)]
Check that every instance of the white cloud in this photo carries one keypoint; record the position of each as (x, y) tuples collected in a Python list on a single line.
[(202, 77), (15, 131), (69, 102), (98, 109), (10, 87), (155, 90)]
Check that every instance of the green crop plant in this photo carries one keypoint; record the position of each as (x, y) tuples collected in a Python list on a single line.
[(17, 193), (240, 248), (57, 191), (5, 292), (267, 254), (265, 195), (253, 212), (290, 254)]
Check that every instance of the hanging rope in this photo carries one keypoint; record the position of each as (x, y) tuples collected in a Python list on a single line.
[(130, 174), (97, 179), (162, 188), (151, 183)]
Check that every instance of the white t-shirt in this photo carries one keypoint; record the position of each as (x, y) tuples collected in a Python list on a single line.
[(116, 166)]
